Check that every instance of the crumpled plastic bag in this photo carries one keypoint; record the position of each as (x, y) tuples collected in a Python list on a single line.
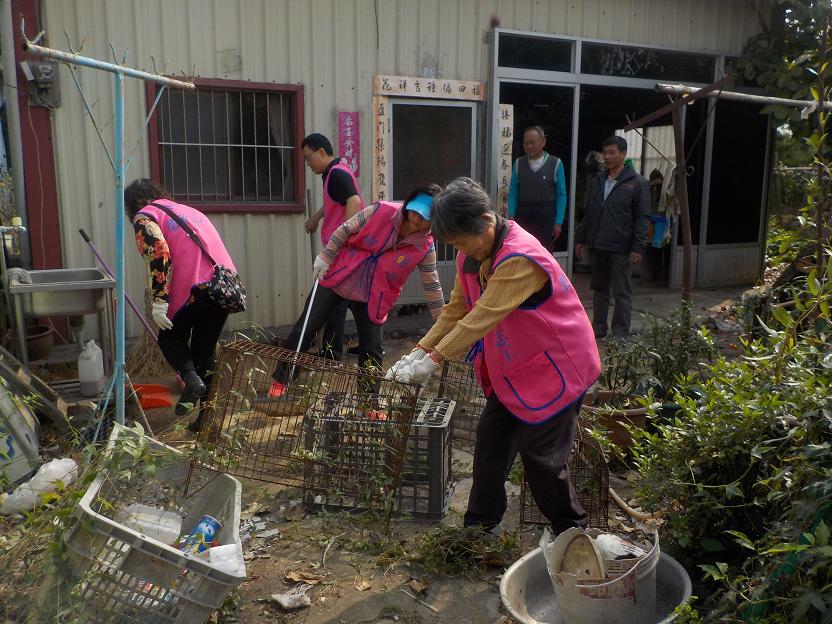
[(27, 496)]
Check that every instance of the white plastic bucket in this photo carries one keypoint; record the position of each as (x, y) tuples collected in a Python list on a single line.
[(628, 599)]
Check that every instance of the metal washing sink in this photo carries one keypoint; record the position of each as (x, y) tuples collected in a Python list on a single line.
[(63, 292)]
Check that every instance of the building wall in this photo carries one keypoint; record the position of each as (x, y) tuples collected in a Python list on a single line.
[(333, 48)]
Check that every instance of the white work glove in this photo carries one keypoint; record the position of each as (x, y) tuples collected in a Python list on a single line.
[(418, 372), (417, 354), (319, 268), (160, 315)]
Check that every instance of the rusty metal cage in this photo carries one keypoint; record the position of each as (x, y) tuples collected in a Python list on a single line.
[(339, 432), (459, 384), (590, 478)]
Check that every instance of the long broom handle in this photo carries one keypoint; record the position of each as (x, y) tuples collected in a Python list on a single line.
[(308, 311), (303, 329), (109, 271)]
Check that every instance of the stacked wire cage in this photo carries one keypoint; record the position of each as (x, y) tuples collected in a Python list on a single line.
[(338, 432), (590, 477), (458, 383)]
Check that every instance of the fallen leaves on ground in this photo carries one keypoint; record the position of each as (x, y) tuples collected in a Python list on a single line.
[(302, 577)]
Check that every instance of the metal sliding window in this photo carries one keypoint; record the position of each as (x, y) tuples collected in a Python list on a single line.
[(232, 148)]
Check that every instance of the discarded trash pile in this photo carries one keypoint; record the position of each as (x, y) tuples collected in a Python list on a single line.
[(602, 577), (340, 433), (149, 539)]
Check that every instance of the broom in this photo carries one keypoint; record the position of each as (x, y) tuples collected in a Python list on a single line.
[(145, 359)]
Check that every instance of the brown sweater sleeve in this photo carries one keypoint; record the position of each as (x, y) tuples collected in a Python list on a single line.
[(514, 281)]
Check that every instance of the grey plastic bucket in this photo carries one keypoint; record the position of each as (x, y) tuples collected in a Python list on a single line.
[(527, 593)]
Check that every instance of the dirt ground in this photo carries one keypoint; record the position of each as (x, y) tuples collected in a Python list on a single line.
[(352, 571)]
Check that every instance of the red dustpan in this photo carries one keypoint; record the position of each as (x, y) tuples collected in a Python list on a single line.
[(153, 395)]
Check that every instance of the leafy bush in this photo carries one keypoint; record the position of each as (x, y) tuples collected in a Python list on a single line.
[(666, 350), (745, 472)]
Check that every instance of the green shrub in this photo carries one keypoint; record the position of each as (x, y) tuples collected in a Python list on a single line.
[(745, 473)]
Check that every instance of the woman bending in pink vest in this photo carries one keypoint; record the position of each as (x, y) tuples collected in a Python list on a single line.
[(366, 262), (534, 354), (189, 325)]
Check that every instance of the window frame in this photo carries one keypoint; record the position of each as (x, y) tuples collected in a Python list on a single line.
[(298, 206)]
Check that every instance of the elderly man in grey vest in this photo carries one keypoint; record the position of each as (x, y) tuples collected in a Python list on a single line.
[(537, 194)]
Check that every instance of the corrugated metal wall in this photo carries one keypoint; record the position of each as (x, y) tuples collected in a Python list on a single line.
[(332, 48)]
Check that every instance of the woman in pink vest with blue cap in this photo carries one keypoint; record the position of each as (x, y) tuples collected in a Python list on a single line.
[(366, 262), (189, 324), (533, 351)]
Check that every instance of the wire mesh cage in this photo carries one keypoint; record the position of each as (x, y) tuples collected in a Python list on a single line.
[(590, 478), (425, 486), (339, 432), (459, 384)]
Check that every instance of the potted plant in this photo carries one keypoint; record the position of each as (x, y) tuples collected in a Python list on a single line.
[(613, 403), (643, 370)]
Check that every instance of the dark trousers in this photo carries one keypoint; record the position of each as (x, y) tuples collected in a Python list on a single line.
[(325, 304), (191, 343), (611, 271), (333, 340), (544, 449)]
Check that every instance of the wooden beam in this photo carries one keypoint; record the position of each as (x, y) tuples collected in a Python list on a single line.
[(679, 102), (682, 195)]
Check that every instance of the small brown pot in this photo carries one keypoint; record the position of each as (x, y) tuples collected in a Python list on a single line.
[(613, 420), (39, 341)]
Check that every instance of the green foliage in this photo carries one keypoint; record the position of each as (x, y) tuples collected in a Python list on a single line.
[(793, 151), (457, 550), (784, 58), (666, 350), (745, 473)]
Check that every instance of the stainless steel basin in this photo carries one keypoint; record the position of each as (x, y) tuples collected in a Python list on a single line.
[(526, 590), (63, 292)]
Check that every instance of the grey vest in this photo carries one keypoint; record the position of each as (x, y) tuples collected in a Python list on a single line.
[(536, 187)]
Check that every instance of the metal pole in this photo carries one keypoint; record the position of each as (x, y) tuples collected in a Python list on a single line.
[(678, 89), (76, 59), (118, 125)]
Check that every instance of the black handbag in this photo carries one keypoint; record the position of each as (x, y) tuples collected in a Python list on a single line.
[(225, 287)]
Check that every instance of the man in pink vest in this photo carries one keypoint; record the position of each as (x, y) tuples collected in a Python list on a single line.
[(189, 324), (533, 350), (342, 201), (366, 263)]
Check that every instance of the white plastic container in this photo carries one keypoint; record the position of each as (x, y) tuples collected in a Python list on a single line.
[(161, 525), (228, 558), (91, 370)]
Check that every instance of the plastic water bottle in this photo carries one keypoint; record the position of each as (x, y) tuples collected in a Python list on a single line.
[(159, 524), (91, 370)]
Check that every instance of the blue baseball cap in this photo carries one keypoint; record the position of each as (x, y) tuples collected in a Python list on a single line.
[(422, 204)]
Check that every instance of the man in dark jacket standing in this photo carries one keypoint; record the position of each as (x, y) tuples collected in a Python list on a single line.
[(614, 230)]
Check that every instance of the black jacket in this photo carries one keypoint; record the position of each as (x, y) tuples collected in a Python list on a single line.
[(620, 223)]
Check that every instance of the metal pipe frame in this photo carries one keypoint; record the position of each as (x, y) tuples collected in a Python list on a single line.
[(117, 381)]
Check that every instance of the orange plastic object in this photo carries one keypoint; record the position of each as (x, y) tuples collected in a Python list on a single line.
[(276, 389), (153, 395)]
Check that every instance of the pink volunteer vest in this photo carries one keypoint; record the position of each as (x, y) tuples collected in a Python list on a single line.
[(333, 211), (537, 360), (383, 272), (189, 266)]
